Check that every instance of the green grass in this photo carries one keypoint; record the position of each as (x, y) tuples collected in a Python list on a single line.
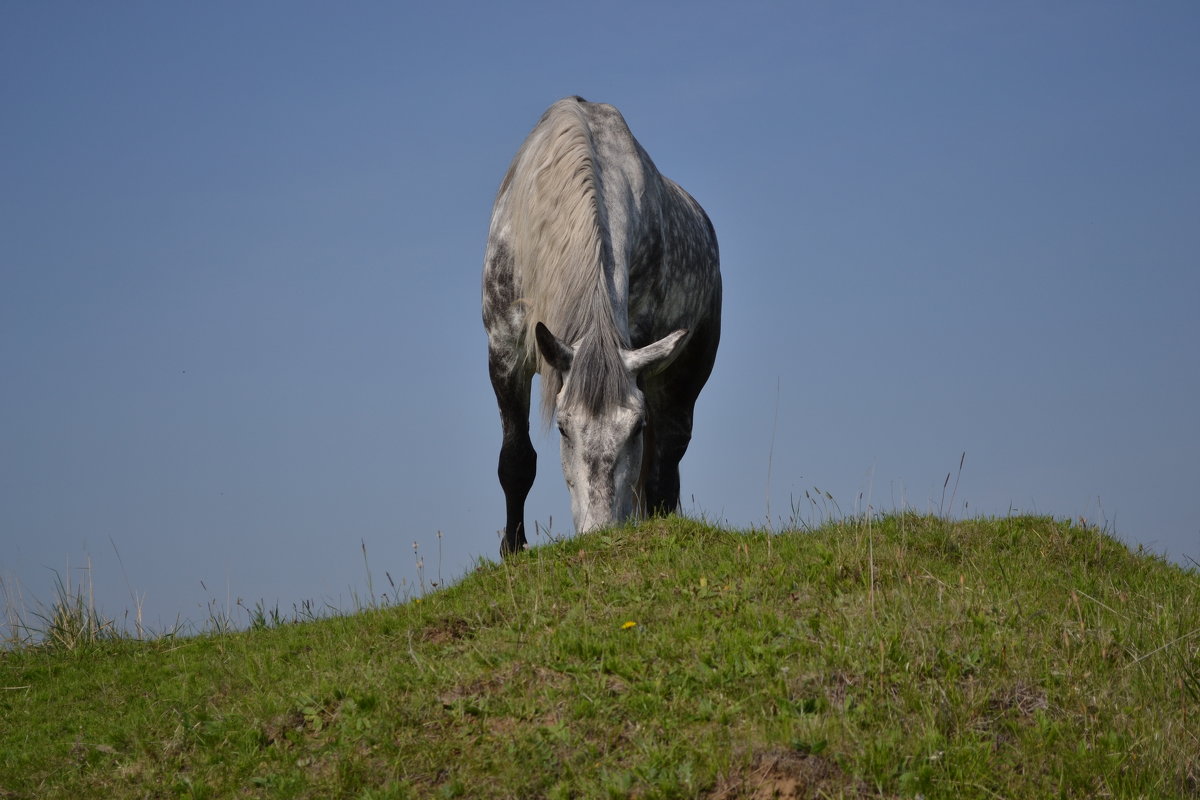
[(903, 656)]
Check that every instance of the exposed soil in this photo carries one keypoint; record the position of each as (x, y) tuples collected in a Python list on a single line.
[(788, 775)]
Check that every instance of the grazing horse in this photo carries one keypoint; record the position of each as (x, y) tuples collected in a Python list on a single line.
[(603, 276)]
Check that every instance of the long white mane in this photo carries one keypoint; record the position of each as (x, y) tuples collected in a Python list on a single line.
[(559, 239)]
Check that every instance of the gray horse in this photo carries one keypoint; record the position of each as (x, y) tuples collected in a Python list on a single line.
[(603, 276)]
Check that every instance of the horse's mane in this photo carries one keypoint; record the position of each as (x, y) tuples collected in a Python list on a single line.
[(559, 239)]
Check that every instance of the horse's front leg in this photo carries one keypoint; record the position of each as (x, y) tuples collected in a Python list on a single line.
[(671, 402), (518, 459), (672, 433)]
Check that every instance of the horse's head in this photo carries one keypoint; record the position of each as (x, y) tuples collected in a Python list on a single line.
[(601, 442)]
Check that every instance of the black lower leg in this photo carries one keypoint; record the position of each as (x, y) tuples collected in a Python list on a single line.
[(662, 484), (518, 460), (518, 466)]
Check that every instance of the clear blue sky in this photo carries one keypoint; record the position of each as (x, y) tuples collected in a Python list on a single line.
[(241, 247)]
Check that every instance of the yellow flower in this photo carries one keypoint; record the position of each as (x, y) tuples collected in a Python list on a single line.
[(628, 625)]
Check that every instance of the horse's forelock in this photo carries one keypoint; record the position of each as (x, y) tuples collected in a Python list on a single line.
[(599, 380)]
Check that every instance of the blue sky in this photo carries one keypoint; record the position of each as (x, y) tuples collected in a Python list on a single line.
[(241, 247)]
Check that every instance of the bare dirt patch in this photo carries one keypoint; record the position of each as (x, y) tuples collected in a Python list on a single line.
[(447, 630), (788, 775)]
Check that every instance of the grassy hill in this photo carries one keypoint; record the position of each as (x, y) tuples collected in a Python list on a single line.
[(904, 656)]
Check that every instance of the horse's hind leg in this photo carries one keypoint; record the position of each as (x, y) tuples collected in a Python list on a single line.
[(518, 459)]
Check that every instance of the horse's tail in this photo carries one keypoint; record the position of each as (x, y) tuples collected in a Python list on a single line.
[(556, 234)]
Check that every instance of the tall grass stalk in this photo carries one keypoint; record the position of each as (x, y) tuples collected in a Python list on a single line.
[(72, 619)]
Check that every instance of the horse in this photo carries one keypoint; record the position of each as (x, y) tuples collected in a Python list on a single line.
[(603, 276)]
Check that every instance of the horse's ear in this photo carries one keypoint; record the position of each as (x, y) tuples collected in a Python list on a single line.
[(556, 354), (656, 355)]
